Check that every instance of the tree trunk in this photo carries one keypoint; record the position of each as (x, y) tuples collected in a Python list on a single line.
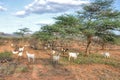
[(103, 46), (87, 48), (89, 40)]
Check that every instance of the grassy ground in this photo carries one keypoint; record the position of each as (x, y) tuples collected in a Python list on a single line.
[(92, 67), (94, 59)]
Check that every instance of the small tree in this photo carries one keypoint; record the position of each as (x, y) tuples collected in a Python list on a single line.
[(45, 34), (22, 32), (68, 27), (64, 27)]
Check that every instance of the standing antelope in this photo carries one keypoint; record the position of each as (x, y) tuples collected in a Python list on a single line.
[(73, 54), (29, 55), (106, 54), (21, 49)]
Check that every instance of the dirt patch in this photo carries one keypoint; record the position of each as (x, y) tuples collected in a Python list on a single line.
[(95, 72), (44, 69), (71, 72)]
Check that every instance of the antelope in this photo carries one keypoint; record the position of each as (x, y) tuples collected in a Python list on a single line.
[(29, 55), (73, 54)]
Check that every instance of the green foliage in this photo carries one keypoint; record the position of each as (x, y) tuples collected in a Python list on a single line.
[(5, 55), (65, 25), (22, 31), (94, 59), (97, 59), (43, 36), (67, 20), (22, 69), (96, 19), (117, 40), (46, 33), (99, 19), (68, 25)]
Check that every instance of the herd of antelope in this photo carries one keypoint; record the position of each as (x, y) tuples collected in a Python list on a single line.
[(55, 54)]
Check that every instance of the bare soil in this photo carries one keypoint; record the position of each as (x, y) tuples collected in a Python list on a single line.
[(44, 69)]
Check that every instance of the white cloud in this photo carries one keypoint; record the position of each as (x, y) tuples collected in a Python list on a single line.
[(51, 6), (21, 13), (2, 8), (70, 2)]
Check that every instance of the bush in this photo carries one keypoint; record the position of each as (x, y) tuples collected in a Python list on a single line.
[(22, 68), (6, 56)]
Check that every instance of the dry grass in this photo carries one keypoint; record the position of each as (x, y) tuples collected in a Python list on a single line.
[(94, 59)]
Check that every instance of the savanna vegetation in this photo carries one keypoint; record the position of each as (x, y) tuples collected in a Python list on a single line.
[(94, 23), (93, 29)]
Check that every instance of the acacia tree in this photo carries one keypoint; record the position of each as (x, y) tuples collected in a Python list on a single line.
[(46, 34), (98, 20), (68, 25), (22, 32), (65, 26)]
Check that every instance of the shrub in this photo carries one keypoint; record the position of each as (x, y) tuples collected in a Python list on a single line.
[(6, 55), (22, 68)]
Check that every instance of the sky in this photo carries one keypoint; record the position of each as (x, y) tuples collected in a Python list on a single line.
[(18, 14)]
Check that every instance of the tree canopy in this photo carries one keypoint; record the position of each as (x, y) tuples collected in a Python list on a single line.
[(98, 18)]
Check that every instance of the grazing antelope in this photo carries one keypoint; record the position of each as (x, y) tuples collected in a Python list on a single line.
[(73, 54), (56, 58), (53, 52), (15, 52), (20, 54), (64, 50), (106, 54)]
